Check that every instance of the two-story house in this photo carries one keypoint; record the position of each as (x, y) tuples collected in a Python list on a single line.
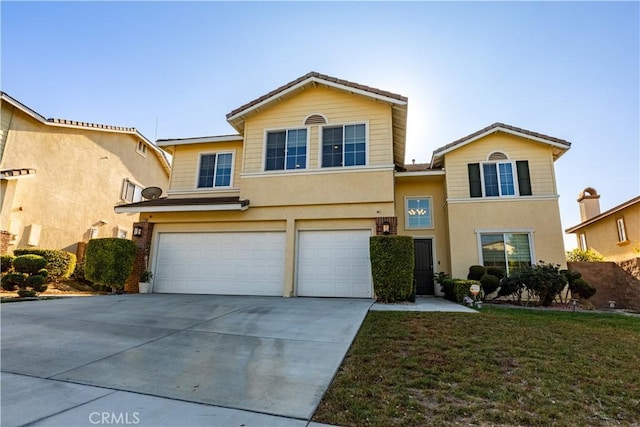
[(59, 179), (614, 234), (287, 205)]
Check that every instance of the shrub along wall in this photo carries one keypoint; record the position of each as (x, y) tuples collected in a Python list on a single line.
[(60, 264), (392, 265), (109, 262)]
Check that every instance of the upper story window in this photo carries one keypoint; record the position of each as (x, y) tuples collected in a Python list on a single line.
[(499, 179), (418, 212), (286, 149), (142, 148), (216, 170), (344, 146), (622, 232), (583, 242), (131, 192)]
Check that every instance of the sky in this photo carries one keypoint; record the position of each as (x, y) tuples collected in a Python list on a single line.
[(175, 69)]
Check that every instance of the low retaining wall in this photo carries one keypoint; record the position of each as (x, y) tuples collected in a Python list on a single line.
[(613, 283)]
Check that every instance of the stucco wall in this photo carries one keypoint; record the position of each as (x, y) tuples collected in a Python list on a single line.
[(338, 107), (78, 180), (602, 235)]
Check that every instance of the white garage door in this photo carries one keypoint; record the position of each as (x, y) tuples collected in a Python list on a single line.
[(220, 263), (334, 264)]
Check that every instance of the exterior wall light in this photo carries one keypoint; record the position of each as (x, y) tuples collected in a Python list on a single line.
[(385, 228), (137, 231)]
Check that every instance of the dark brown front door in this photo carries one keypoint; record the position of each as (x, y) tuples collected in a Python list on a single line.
[(423, 270)]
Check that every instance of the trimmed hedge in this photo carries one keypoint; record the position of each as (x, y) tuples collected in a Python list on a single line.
[(60, 264), (29, 264), (489, 284), (392, 263), (109, 261), (6, 262), (476, 272), (456, 289)]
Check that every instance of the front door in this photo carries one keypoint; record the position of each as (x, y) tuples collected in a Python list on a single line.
[(423, 270)]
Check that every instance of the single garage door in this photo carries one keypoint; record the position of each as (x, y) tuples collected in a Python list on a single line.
[(250, 263), (334, 264)]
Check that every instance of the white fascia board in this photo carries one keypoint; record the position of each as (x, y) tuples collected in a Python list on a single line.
[(181, 208), (199, 140), (320, 81)]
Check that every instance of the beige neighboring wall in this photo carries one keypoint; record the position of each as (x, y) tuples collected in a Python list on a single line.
[(79, 178), (602, 234)]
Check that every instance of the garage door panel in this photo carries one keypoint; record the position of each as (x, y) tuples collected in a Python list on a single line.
[(250, 263), (334, 263)]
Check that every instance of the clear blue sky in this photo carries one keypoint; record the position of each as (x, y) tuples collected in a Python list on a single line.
[(566, 69)]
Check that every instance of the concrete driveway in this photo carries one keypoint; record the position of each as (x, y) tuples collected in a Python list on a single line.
[(136, 358)]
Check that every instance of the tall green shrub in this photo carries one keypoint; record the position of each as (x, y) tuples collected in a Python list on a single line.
[(392, 263), (6, 262), (109, 261), (60, 264)]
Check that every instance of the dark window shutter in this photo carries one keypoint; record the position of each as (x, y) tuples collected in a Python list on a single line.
[(524, 181), (475, 185)]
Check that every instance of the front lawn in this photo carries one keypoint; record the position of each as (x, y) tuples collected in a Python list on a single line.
[(501, 367)]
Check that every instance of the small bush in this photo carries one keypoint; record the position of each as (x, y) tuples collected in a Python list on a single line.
[(60, 264), (392, 263), (36, 283), (109, 261), (496, 271), (489, 284), (26, 293), (476, 272), (512, 287), (6, 262), (545, 281), (456, 289), (12, 280), (579, 255), (583, 289), (29, 264)]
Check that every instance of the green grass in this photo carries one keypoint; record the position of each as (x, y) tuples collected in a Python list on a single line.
[(500, 367)]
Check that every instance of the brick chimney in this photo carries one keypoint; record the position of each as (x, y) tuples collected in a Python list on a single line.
[(589, 201)]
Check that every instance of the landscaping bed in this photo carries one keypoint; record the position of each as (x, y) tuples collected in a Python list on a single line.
[(503, 366)]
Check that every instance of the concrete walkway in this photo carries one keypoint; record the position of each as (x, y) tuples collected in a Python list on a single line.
[(425, 304), (177, 360)]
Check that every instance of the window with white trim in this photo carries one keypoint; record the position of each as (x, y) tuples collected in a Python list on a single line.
[(510, 251), (121, 233), (583, 241), (142, 148), (215, 170), (418, 212), (93, 232), (131, 192), (622, 232), (344, 145), (499, 179), (286, 150)]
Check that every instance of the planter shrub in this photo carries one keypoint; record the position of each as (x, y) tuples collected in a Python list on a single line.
[(496, 271), (109, 262), (583, 289), (544, 281), (60, 264), (29, 264), (6, 262), (489, 284), (456, 289), (29, 276), (392, 265), (476, 272)]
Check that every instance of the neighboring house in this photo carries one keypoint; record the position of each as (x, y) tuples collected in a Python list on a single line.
[(59, 179), (286, 206), (614, 234)]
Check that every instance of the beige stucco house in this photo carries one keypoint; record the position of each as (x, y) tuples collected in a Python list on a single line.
[(59, 179), (613, 234), (286, 205)]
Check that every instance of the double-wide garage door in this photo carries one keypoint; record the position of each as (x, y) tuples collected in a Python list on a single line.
[(245, 263), (329, 263)]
